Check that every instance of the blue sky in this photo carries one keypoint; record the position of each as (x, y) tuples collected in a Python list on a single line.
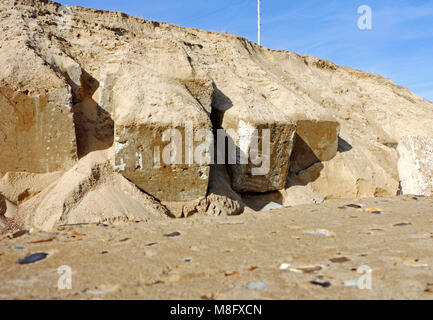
[(399, 45)]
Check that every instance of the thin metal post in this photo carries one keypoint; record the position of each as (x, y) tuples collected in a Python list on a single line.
[(258, 16)]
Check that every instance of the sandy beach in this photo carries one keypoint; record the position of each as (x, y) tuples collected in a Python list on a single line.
[(266, 255)]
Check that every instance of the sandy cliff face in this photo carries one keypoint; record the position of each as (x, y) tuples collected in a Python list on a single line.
[(415, 165), (75, 82)]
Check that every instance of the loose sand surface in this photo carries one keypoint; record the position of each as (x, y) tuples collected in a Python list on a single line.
[(224, 257)]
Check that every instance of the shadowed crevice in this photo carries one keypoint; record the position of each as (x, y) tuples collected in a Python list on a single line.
[(94, 127), (343, 145)]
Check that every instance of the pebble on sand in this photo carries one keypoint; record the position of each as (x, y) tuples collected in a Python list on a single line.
[(325, 284), (172, 235), (257, 285), (33, 258)]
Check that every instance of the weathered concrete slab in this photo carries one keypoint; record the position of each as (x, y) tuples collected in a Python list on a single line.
[(267, 170), (316, 141), (37, 132), (161, 132)]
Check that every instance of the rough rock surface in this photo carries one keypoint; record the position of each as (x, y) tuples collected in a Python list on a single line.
[(315, 141), (2, 205), (415, 165), (221, 200), (157, 124), (7, 212), (37, 132), (365, 171), (270, 170)]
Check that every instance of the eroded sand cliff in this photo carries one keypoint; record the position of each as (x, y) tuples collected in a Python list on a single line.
[(87, 95)]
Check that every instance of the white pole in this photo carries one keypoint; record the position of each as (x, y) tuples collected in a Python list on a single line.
[(258, 14)]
